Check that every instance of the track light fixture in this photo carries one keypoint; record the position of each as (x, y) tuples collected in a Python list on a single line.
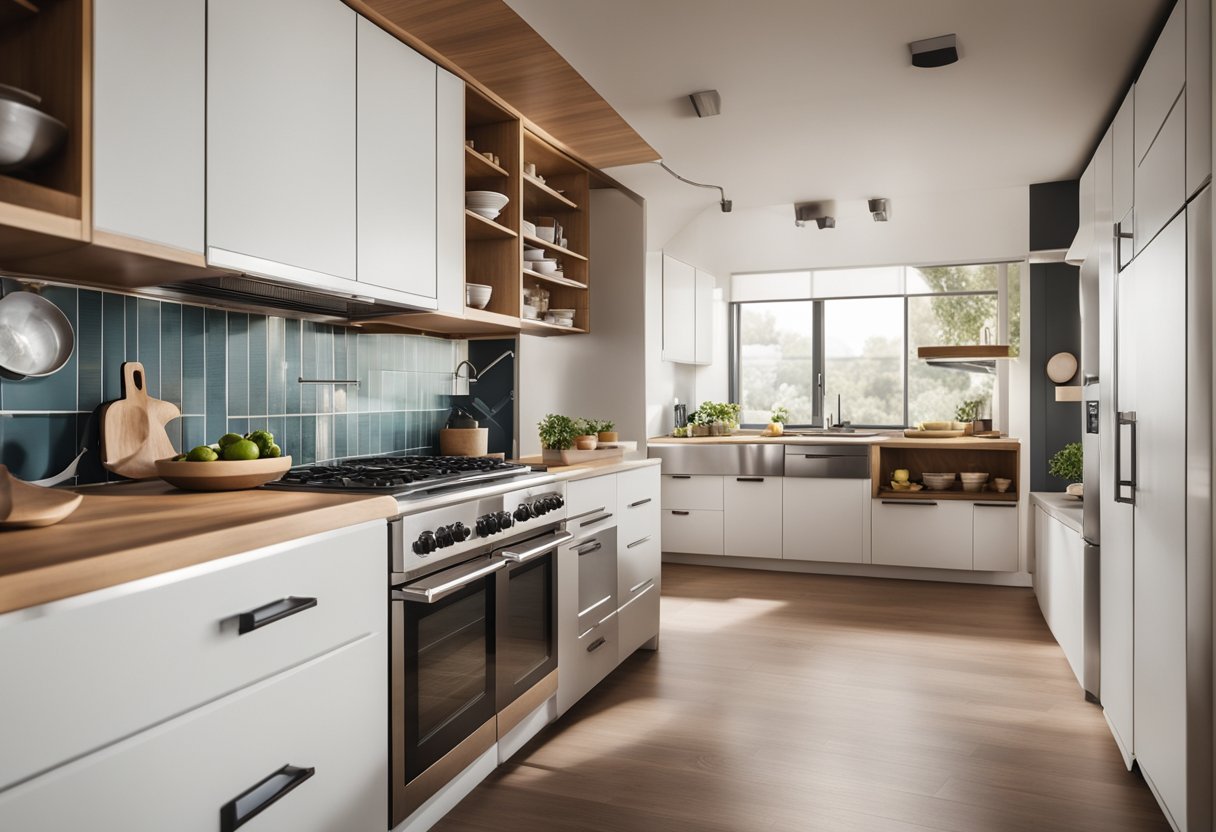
[(707, 103), (725, 204), (934, 52), (880, 209), (805, 212)]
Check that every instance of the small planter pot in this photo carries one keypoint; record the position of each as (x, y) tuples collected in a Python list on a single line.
[(700, 430), (717, 429), (608, 436), (589, 442)]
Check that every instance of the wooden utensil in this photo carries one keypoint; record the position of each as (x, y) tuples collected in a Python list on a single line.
[(25, 506), (133, 433)]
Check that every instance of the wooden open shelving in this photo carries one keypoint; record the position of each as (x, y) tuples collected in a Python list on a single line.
[(996, 457), (537, 242), (477, 166), (541, 328), (477, 227), (539, 198), (554, 279)]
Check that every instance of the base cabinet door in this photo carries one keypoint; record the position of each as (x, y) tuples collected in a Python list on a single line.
[(995, 537), (692, 532), (751, 517), (826, 520), (692, 492), (924, 533), (187, 773), (638, 620)]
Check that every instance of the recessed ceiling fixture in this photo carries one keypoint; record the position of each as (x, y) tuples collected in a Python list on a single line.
[(880, 209), (725, 204), (932, 52), (805, 212), (707, 103)]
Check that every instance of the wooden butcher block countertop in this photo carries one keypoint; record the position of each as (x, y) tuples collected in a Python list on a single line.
[(135, 530)]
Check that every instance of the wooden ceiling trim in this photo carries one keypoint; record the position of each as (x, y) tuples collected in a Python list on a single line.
[(490, 46)]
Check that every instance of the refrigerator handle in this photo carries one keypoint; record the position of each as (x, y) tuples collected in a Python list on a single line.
[(1125, 419)]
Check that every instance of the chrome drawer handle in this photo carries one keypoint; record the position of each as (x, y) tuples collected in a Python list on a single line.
[(638, 542), (640, 584), (272, 612), (248, 804), (588, 548), (596, 645), (597, 519), (552, 543), (640, 503)]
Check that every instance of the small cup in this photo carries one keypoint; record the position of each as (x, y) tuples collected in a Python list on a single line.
[(530, 169), (1001, 484)]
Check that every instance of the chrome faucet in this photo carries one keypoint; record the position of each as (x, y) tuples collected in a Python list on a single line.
[(474, 374)]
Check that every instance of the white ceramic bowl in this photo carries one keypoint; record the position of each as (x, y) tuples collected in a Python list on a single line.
[(1001, 484), (544, 266), (545, 232), (527, 227), (533, 254), (485, 199), (477, 295), (530, 312), (973, 476), (938, 482)]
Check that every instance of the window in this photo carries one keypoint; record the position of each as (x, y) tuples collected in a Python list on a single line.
[(847, 347)]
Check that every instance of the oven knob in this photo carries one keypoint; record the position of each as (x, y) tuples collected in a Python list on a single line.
[(492, 524), (558, 502), (425, 544), (461, 532), (550, 503), (483, 526), (504, 520), (523, 513), (539, 508), (443, 536)]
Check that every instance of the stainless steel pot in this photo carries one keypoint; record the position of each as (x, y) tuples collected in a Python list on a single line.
[(36, 338), (27, 135)]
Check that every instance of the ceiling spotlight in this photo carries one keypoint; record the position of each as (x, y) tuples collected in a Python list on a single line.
[(880, 209), (707, 103), (805, 212), (825, 222), (932, 52)]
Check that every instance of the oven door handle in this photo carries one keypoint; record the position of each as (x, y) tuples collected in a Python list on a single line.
[(548, 545), (438, 587)]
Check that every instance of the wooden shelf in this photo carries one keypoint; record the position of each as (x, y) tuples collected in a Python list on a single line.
[(537, 242), (477, 227), (554, 279), (952, 494), (541, 328), (979, 352), (472, 323), (477, 166), (540, 198)]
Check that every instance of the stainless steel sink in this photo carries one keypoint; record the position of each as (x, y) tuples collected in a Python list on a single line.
[(829, 432)]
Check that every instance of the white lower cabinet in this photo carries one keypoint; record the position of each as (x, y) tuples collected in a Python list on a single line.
[(701, 493), (826, 520), (692, 532), (326, 719), (751, 517), (995, 537), (926, 533)]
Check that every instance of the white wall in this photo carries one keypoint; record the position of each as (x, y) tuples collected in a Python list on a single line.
[(599, 375)]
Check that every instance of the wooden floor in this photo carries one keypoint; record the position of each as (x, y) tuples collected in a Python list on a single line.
[(801, 703)]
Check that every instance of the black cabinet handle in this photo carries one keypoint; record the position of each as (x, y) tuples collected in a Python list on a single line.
[(680, 513), (913, 503), (248, 804), (596, 645), (640, 503), (681, 476), (749, 479), (272, 612)]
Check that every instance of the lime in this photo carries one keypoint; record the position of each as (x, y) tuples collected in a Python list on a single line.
[(202, 454), (242, 449), (262, 438), (228, 438), (273, 451)]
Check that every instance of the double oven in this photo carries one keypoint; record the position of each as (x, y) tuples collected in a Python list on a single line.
[(473, 636)]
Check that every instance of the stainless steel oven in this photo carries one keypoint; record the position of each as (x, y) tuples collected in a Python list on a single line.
[(467, 641)]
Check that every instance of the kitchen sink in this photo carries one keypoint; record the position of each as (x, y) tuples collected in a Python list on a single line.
[(829, 432)]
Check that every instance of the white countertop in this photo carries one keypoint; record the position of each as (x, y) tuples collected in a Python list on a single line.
[(1068, 510)]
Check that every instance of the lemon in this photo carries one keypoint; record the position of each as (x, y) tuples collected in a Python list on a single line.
[(202, 454), (228, 438), (242, 449)]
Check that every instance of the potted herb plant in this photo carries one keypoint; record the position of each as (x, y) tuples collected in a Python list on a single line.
[(557, 432), (586, 440), (777, 421), (606, 431), (698, 423), (1068, 464)]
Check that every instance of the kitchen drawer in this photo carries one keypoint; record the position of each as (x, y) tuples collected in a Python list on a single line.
[(1161, 179), (596, 495), (100, 667), (1160, 81), (995, 537), (751, 518), (638, 621), (922, 533), (638, 516), (637, 562), (328, 715), (585, 662), (695, 493), (692, 532)]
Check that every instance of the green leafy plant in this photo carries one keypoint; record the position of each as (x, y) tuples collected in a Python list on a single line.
[(557, 432), (969, 410), (779, 414), (724, 413), (1067, 463), (602, 426)]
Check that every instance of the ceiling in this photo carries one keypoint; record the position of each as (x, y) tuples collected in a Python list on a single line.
[(820, 101)]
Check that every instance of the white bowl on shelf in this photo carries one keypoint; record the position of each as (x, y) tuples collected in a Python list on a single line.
[(543, 266), (531, 255), (973, 481), (530, 312), (546, 233), (938, 482), (488, 204), (477, 295), (528, 228)]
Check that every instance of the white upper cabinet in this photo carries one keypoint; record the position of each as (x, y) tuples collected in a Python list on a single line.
[(396, 165), (1161, 179), (281, 139), (703, 321), (449, 182), (679, 311), (149, 66), (1198, 94), (1161, 81), (1123, 133)]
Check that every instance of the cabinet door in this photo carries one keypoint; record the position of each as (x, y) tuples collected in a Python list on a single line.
[(922, 533), (703, 318), (679, 311), (179, 774), (149, 67), (692, 532), (281, 139), (826, 520), (995, 537), (638, 620), (1123, 148), (1160, 82), (1161, 179), (395, 164), (638, 564), (1198, 94), (692, 492), (449, 198), (751, 520), (638, 504)]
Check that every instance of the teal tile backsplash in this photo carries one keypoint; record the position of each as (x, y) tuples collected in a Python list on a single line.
[(228, 371)]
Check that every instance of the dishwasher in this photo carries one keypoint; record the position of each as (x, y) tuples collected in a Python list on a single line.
[(826, 503)]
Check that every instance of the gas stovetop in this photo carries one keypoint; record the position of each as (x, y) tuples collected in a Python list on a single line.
[(398, 475)]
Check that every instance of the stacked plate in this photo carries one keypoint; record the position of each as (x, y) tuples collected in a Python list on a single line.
[(545, 266), (973, 481), (488, 204), (561, 317), (477, 295), (528, 228), (938, 482), (533, 254)]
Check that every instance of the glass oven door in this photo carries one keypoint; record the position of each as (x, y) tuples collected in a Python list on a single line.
[(527, 615)]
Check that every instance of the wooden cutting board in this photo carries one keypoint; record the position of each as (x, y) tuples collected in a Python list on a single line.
[(25, 506), (133, 433)]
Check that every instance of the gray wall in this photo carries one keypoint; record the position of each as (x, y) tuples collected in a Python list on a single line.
[(1055, 326), (228, 371)]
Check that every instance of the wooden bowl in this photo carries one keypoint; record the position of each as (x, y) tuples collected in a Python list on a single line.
[(222, 475)]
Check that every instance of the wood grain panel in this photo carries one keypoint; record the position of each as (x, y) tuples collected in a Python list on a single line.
[(485, 41), (788, 703)]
